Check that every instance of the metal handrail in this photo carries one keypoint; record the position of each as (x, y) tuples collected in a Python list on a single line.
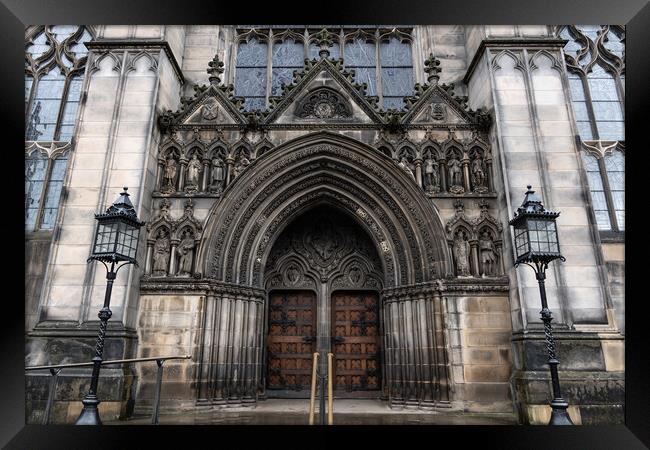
[(330, 399), (56, 369), (312, 397)]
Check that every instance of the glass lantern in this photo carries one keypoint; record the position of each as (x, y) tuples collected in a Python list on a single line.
[(535, 231), (118, 230)]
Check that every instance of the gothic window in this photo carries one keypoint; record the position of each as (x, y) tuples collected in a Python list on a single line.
[(55, 62), (396, 71), (595, 59), (288, 56), (381, 58), (605, 176), (250, 69)]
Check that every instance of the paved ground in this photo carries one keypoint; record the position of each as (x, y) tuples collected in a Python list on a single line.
[(346, 412)]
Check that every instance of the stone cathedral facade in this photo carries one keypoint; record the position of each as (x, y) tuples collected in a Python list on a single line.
[(343, 189)]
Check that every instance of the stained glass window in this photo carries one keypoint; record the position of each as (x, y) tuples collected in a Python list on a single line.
[(596, 82), (250, 73), (396, 72), (53, 85), (287, 57), (383, 62), (598, 199)]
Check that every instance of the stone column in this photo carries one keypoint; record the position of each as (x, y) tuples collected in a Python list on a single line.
[(206, 174), (147, 264), (499, 253), (418, 172), (159, 175), (181, 174), (229, 164), (439, 344), (466, 177), (488, 174), (476, 267), (172, 257), (442, 165)]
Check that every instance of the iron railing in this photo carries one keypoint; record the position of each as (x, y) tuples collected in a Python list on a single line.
[(57, 368)]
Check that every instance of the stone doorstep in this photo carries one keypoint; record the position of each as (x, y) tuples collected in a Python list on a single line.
[(298, 409)]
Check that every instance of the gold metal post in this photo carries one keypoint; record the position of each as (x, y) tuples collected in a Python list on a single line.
[(312, 398), (330, 399)]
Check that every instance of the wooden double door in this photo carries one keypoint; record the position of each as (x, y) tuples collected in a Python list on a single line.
[(351, 333)]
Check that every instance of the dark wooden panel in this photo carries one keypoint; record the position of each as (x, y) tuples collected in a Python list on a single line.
[(355, 341), (291, 340)]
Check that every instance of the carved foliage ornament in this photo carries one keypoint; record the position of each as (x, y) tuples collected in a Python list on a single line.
[(323, 103)]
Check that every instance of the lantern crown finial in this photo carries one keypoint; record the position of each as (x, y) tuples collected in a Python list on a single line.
[(122, 205)]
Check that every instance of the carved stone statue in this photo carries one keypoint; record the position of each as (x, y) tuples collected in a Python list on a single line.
[(218, 175), (193, 172), (455, 175), (431, 175), (241, 165), (171, 170), (404, 164), (461, 254), (488, 255), (478, 173), (161, 251), (186, 251)]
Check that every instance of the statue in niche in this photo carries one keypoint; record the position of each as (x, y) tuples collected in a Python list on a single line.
[(171, 170), (478, 174), (488, 255), (193, 172), (455, 175), (461, 254), (186, 251), (161, 251), (431, 175), (404, 164), (218, 176), (242, 163)]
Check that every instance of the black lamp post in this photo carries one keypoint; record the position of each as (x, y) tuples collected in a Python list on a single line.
[(536, 244), (116, 240)]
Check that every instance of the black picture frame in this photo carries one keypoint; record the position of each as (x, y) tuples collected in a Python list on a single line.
[(16, 14)]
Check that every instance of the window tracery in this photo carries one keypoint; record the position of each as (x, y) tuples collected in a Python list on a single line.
[(381, 58), (55, 61), (595, 59)]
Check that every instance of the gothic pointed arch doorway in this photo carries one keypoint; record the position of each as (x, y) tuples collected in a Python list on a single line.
[(323, 279), (410, 258)]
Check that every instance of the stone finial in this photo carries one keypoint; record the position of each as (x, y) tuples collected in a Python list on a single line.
[(432, 68), (324, 40), (215, 69)]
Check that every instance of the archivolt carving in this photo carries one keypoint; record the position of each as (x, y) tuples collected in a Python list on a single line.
[(343, 175), (323, 103), (323, 245)]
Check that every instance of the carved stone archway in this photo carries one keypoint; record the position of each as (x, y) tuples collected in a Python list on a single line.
[(263, 200), (406, 231)]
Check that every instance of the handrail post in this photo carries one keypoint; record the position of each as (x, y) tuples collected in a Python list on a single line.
[(156, 407), (330, 403), (323, 388), (312, 397), (51, 395)]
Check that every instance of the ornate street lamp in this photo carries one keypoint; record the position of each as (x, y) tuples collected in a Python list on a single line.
[(536, 244), (116, 240)]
